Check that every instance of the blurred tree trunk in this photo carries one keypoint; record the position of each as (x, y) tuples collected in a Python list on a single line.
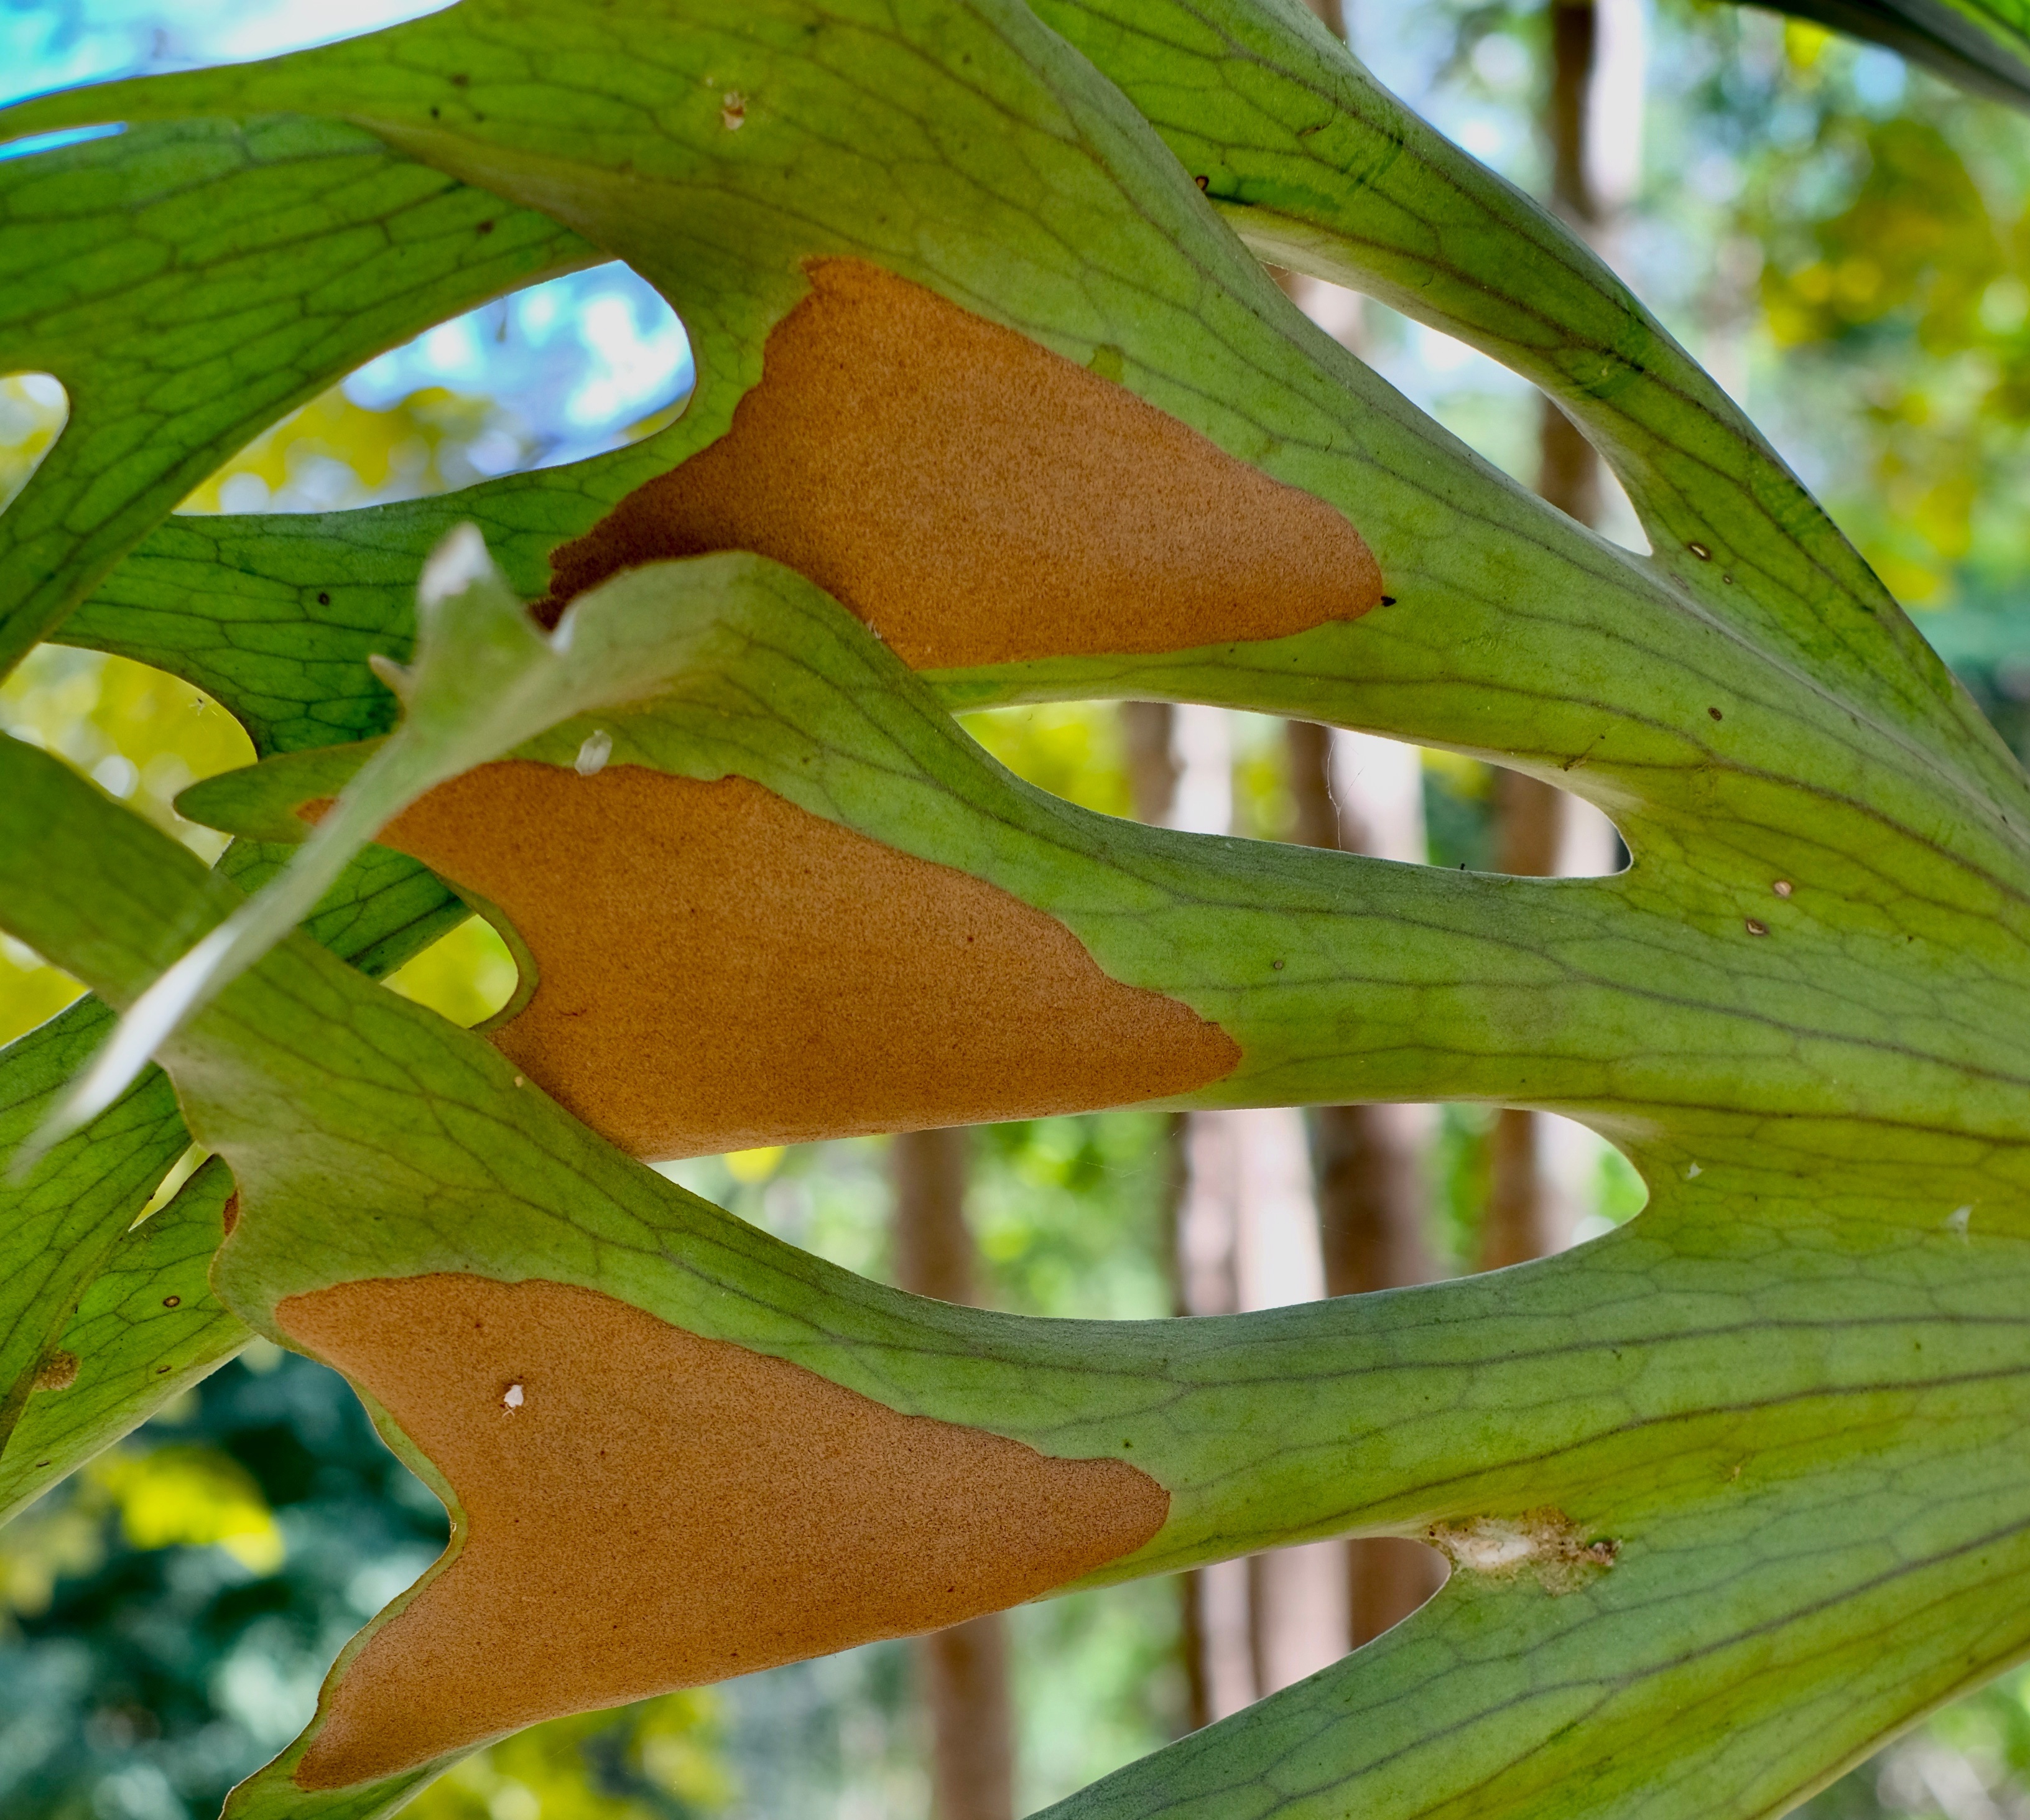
[(963, 1671), (1146, 728), (1542, 832), (1524, 1217), (1152, 761), (1368, 1161), (1243, 1234), (1333, 14), (1180, 774)]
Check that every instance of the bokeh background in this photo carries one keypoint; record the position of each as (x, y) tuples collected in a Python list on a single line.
[(1844, 242)]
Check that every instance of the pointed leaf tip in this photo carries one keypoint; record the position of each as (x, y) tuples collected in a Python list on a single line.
[(399, 678), (476, 649), (485, 677)]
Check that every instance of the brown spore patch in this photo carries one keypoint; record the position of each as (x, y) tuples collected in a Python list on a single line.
[(720, 969), (659, 1510), (977, 499)]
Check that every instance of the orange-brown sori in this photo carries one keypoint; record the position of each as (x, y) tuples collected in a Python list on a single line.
[(643, 1508), (977, 499), (720, 969)]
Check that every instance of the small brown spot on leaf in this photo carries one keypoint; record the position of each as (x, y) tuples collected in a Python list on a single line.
[(172, 1301), (228, 1216), (733, 110), (1716, 713), (977, 499), (58, 1372), (1700, 551), (1203, 183), (1757, 927), (324, 599), (720, 970), (1783, 888), (790, 1516)]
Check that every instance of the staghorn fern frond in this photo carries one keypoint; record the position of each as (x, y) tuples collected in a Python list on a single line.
[(995, 402)]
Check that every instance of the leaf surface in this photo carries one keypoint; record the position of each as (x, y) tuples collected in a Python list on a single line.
[(192, 282), (1320, 169), (1767, 1433), (60, 1222), (64, 1218), (1337, 976), (1786, 1422), (147, 1327)]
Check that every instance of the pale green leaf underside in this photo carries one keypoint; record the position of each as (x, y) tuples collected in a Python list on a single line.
[(1626, 1000), (1789, 1391), (1319, 168), (1868, 1372)]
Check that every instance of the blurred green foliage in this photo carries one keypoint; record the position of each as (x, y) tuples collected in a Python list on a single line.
[(170, 1611), (1897, 271), (184, 1494), (1071, 748), (1862, 266), (32, 411), (1068, 1216), (1458, 811), (656, 1761), (334, 454), (466, 975)]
